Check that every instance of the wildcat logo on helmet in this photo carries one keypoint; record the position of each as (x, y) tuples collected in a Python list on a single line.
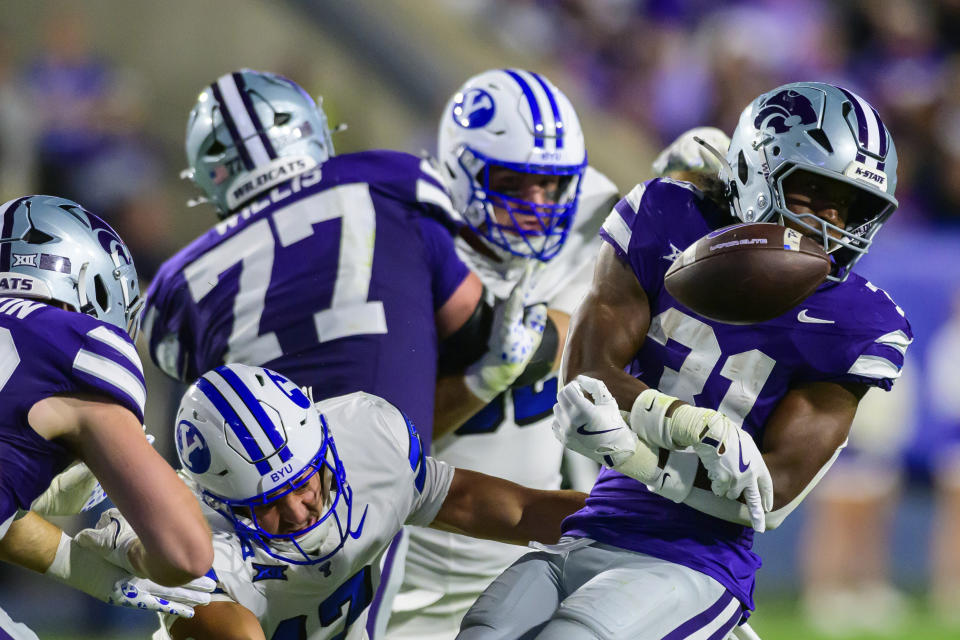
[(785, 110), (274, 173), (474, 109)]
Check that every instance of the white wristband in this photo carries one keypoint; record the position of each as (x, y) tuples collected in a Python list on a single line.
[(648, 418), (82, 569), (641, 465), (676, 479)]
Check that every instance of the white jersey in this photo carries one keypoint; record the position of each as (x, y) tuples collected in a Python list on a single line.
[(393, 484), (511, 438)]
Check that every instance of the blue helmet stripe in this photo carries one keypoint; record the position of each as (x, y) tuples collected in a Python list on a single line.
[(534, 107), (256, 410), (232, 127), (6, 231), (557, 121), (254, 118), (247, 440)]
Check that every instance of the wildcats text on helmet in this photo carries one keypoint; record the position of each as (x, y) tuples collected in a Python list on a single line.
[(277, 171)]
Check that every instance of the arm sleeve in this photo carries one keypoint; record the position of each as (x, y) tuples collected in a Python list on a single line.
[(422, 482), (107, 364), (164, 317), (446, 269)]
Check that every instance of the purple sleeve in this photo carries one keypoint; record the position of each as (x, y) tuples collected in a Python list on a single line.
[(106, 363), (163, 324), (447, 270)]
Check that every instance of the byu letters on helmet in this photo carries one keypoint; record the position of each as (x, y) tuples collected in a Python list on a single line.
[(248, 436), (821, 129), (250, 131), (53, 249), (516, 120)]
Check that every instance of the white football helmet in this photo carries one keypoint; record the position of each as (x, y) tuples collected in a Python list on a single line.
[(250, 131), (820, 129), (53, 249), (248, 436), (520, 121)]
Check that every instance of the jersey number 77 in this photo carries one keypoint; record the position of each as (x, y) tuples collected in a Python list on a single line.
[(349, 313)]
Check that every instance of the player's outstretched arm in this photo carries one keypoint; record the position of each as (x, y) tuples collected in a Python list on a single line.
[(220, 620), (483, 506), (175, 542), (608, 328)]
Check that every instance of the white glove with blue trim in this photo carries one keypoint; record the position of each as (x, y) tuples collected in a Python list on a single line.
[(514, 338), (593, 426), (85, 570)]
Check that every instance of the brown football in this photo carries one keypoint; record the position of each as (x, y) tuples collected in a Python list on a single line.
[(747, 273)]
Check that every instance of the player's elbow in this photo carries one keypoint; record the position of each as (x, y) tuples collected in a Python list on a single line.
[(191, 558)]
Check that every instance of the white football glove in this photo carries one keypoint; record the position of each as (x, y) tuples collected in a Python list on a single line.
[(514, 339), (729, 454), (70, 492), (87, 571), (111, 539), (686, 154), (595, 428)]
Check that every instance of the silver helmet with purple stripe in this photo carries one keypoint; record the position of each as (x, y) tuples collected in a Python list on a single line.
[(250, 131), (53, 249), (815, 131)]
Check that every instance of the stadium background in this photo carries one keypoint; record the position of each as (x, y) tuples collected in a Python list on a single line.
[(94, 97)]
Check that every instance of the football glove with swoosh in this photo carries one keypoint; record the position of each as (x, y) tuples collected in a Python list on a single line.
[(728, 453), (593, 426)]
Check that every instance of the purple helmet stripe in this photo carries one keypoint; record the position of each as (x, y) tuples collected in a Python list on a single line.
[(254, 118), (5, 233), (534, 107), (862, 134), (557, 120), (232, 127)]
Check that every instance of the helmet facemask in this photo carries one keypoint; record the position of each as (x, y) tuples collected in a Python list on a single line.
[(534, 230), (320, 540)]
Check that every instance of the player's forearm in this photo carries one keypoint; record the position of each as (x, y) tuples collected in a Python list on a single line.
[(176, 540), (31, 542), (453, 406)]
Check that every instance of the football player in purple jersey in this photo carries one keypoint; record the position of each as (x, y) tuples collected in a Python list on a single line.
[(71, 387), (338, 271), (663, 547)]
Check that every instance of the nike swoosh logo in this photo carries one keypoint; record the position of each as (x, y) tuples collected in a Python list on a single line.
[(587, 432), (663, 479), (804, 317), (743, 467)]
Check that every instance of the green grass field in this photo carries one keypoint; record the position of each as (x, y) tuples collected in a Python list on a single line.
[(780, 620), (775, 620)]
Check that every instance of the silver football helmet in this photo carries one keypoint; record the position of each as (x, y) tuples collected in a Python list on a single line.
[(248, 436), (824, 130), (53, 249), (250, 131), (516, 120)]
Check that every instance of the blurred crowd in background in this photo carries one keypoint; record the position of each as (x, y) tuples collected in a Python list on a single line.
[(77, 123)]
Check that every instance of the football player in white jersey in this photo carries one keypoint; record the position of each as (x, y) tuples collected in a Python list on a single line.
[(512, 154), (304, 499)]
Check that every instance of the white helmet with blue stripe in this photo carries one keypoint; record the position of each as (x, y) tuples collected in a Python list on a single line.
[(516, 120), (250, 131), (249, 436), (53, 249), (820, 129)]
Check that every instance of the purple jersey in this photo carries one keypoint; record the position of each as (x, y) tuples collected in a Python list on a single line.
[(847, 332), (46, 351), (332, 279)]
